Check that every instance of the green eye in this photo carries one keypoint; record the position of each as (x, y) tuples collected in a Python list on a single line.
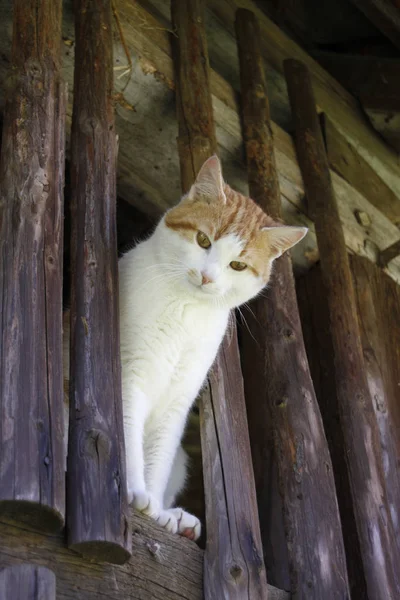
[(203, 240), (238, 266)]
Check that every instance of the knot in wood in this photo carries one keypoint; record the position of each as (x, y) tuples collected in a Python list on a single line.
[(97, 444), (236, 571)]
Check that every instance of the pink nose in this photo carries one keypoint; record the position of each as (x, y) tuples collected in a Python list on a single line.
[(205, 279)]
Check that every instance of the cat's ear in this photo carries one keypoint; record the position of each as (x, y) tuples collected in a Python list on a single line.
[(282, 238), (209, 182)]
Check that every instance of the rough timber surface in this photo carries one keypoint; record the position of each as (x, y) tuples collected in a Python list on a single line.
[(380, 554), (285, 424), (32, 479), (148, 165), (164, 567)]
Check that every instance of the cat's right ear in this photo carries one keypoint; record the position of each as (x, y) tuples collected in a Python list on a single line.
[(209, 184)]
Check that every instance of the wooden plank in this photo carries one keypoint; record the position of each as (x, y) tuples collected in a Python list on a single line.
[(374, 81), (277, 378), (32, 479), (314, 314), (96, 482), (358, 420), (233, 563), (155, 53), (371, 79), (384, 14), (389, 253), (331, 97), (378, 309), (346, 161), (27, 582), (378, 304), (164, 566)]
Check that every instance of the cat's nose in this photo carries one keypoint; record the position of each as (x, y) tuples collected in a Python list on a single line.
[(205, 279)]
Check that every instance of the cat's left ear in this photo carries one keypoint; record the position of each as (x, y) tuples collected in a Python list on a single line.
[(209, 182), (282, 238)]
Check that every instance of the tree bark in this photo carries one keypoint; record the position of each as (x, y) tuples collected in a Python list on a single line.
[(379, 549), (27, 582), (98, 511), (280, 396), (32, 463), (233, 566)]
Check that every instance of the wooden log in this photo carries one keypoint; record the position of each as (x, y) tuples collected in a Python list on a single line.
[(32, 462), (233, 563), (27, 582), (280, 395), (384, 14), (164, 566), (98, 511), (389, 254), (380, 555), (378, 308), (314, 315)]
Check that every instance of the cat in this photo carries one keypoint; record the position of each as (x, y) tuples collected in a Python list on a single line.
[(209, 254)]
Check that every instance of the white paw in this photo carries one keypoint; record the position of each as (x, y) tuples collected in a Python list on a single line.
[(147, 504), (168, 521), (188, 525)]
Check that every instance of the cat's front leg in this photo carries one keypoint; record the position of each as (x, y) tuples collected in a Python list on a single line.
[(136, 408), (161, 445)]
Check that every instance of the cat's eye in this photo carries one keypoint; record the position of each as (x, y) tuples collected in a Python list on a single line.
[(203, 240), (237, 266)]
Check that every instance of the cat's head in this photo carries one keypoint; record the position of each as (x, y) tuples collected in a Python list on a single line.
[(220, 244)]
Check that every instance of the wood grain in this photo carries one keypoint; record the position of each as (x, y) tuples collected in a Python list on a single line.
[(27, 582), (234, 565), (163, 567), (345, 160), (358, 420), (286, 430), (32, 463), (96, 482)]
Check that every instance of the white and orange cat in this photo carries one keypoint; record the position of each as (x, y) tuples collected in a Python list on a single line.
[(209, 254)]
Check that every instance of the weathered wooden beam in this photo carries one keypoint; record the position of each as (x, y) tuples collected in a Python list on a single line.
[(345, 160), (384, 14), (318, 341), (233, 563), (27, 582), (389, 254), (379, 551), (331, 97), (378, 308), (164, 566), (374, 81), (32, 459), (154, 54), (280, 395), (98, 510)]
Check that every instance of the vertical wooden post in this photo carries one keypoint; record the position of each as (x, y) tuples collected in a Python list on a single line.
[(27, 582), (32, 464), (233, 559), (280, 395), (379, 549), (98, 512)]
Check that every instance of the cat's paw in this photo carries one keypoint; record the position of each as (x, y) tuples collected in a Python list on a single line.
[(188, 525), (168, 521), (146, 503)]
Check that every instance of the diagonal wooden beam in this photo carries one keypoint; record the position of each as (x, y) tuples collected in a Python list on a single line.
[(384, 14)]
